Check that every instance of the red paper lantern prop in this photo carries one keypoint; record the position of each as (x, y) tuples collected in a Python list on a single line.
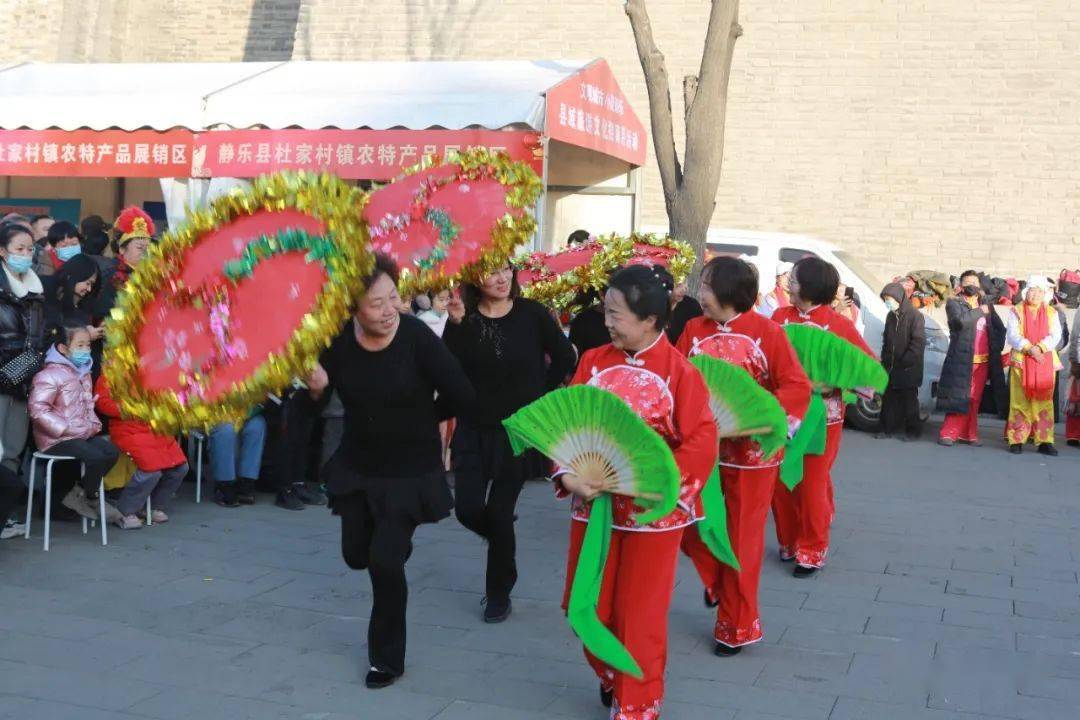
[(453, 219), (237, 302)]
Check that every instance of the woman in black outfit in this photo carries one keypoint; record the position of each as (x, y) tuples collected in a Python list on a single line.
[(387, 476), (513, 352), (69, 295)]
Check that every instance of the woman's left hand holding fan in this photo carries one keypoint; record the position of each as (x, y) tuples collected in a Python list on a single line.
[(581, 487)]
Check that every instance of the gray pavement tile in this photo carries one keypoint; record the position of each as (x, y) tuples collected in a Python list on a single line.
[(206, 704), (48, 710), (898, 629), (88, 687), (855, 608), (734, 696), (856, 709), (848, 643), (102, 652), (466, 710), (938, 598), (1027, 642)]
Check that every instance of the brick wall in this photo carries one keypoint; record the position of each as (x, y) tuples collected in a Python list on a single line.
[(918, 133)]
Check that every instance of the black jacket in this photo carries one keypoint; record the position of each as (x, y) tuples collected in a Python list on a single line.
[(20, 319), (954, 387), (904, 342)]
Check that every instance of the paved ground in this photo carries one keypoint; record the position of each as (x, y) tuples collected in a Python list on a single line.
[(951, 594)]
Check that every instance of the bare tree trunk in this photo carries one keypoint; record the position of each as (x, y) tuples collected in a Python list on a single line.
[(690, 187)]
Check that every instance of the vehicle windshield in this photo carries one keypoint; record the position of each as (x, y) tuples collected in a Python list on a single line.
[(865, 274)]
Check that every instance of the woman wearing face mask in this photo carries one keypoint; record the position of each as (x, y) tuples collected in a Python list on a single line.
[(22, 330), (62, 243), (513, 352), (803, 517), (976, 340), (62, 411), (902, 348), (730, 331), (387, 476), (657, 382)]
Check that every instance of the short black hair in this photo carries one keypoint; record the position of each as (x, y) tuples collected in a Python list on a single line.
[(818, 280), (970, 273), (647, 291), (8, 232), (578, 236), (384, 265), (62, 230), (732, 281)]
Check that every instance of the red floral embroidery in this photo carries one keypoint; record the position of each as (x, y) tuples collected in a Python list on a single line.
[(811, 558), (648, 711), (731, 636)]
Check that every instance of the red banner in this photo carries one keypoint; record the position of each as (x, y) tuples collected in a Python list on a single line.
[(351, 154), (589, 110), (96, 153)]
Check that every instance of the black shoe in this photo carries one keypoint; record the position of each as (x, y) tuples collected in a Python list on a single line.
[(1073, 443), (225, 495), (1048, 449), (709, 602), (1016, 448), (379, 679), (496, 611), (606, 696), (307, 495), (722, 650), (245, 491), (801, 571), (287, 500)]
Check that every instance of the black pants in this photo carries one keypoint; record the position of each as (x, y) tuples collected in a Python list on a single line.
[(487, 482), (97, 453), (11, 491), (290, 427), (379, 539), (900, 412)]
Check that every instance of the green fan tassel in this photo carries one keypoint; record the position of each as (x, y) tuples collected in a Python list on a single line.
[(713, 529), (585, 592), (809, 440)]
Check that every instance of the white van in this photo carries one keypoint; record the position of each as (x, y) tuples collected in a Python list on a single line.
[(766, 249)]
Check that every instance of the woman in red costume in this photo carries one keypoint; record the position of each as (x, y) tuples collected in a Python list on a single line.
[(803, 516), (731, 331), (641, 366)]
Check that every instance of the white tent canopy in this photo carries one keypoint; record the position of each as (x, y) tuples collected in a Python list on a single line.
[(345, 95)]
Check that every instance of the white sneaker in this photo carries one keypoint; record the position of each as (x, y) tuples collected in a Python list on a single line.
[(12, 529), (76, 500)]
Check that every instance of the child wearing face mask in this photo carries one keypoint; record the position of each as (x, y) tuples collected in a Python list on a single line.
[(62, 415)]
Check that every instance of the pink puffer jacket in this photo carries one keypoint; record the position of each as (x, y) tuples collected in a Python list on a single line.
[(62, 402)]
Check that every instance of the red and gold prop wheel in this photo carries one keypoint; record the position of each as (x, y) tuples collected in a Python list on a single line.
[(453, 219), (557, 279), (237, 302)]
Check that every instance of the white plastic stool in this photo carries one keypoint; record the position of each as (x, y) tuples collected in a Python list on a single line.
[(50, 459), (199, 440)]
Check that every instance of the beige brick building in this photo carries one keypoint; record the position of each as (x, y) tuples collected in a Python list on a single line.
[(916, 133)]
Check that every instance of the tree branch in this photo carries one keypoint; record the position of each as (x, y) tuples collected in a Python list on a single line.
[(705, 120), (689, 93), (656, 82)]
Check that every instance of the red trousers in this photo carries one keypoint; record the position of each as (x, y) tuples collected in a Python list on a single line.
[(1072, 428), (803, 516), (960, 426), (747, 493), (634, 599)]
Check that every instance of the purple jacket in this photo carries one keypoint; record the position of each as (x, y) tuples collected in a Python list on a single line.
[(62, 402)]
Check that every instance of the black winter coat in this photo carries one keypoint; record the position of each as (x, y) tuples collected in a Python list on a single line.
[(20, 319), (903, 345), (954, 387)]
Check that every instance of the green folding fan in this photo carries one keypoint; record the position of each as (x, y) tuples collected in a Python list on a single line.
[(594, 434), (831, 361), (741, 407)]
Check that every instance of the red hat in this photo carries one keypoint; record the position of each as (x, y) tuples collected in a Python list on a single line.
[(134, 223)]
